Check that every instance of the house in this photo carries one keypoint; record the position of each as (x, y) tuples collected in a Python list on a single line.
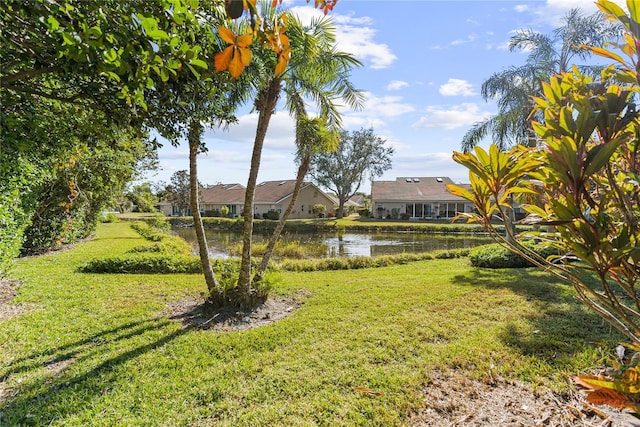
[(216, 197), (212, 199), (416, 197), (269, 196), (276, 195)]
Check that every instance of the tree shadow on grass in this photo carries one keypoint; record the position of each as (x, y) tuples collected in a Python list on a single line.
[(561, 325), (41, 400)]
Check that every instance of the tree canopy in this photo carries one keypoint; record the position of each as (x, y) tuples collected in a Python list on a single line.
[(360, 155), (547, 54)]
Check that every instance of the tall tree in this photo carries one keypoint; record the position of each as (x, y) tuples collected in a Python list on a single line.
[(183, 105), (312, 137), (316, 71), (513, 88), (360, 155), (179, 190)]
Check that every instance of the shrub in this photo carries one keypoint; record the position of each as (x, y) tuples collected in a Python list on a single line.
[(364, 213), (365, 262), (272, 214), (318, 210), (496, 256), (148, 231), (144, 263), (159, 222), (109, 217), (170, 245)]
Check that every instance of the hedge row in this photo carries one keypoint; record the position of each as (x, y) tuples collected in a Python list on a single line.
[(164, 263), (144, 263)]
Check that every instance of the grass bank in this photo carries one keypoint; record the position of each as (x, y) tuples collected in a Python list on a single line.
[(97, 350)]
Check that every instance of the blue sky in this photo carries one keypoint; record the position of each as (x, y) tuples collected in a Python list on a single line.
[(424, 63)]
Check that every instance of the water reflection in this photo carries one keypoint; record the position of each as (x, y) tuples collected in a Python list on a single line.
[(346, 244)]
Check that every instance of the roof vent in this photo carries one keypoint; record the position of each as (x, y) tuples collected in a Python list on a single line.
[(408, 179), (439, 179), (261, 184), (283, 182), (416, 179)]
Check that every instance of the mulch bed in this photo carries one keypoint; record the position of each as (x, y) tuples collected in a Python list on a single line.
[(193, 313)]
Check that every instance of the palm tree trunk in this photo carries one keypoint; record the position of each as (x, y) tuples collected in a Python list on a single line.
[(265, 104), (302, 171), (195, 131)]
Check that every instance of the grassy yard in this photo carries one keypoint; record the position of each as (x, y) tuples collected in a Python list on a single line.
[(97, 350)]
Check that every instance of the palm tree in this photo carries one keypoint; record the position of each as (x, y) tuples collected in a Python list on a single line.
[(179, 108), (316, 71), (312, 136), (513, 88)]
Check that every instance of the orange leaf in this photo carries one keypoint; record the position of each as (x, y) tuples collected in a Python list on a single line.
[(284, 40), (235, 65), (282, 65), (594, 382), (227, 35), (245, 56), (274, 3), (244, 40), (612, 398), (222, 59)]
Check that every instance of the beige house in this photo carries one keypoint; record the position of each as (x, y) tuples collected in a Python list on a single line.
[(416, 198), (269, 196), (276, 195), (216, 197)]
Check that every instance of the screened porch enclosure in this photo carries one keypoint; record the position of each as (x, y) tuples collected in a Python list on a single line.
[(434, 210)]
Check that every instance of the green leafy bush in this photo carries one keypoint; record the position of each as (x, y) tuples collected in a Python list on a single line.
[(109, 217), (497, 256), (170, 245), (148, 231), (272, 214), (353, 263), (144, 263)]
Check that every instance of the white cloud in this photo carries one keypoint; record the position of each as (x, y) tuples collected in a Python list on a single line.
[(359, 42), (281, 133), (521, 8), (427, 164), (470, 38), (355, 36), (453, 117), (377, 110), (457, 87), (503, 46), (553, 11), (397, 84)]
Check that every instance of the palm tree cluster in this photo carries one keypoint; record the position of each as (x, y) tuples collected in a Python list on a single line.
[(548, 54)]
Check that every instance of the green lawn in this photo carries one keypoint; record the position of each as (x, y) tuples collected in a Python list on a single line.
[(95, 349)]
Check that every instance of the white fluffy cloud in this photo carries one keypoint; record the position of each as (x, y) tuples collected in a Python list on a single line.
[(355, 36), (457, 87), (377, 110), (452, 117), (396, 84)]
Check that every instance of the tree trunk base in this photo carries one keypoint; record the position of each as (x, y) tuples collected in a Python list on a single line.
[(237, 298)]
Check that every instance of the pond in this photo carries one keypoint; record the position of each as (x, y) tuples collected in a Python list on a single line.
[(346, 243)]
